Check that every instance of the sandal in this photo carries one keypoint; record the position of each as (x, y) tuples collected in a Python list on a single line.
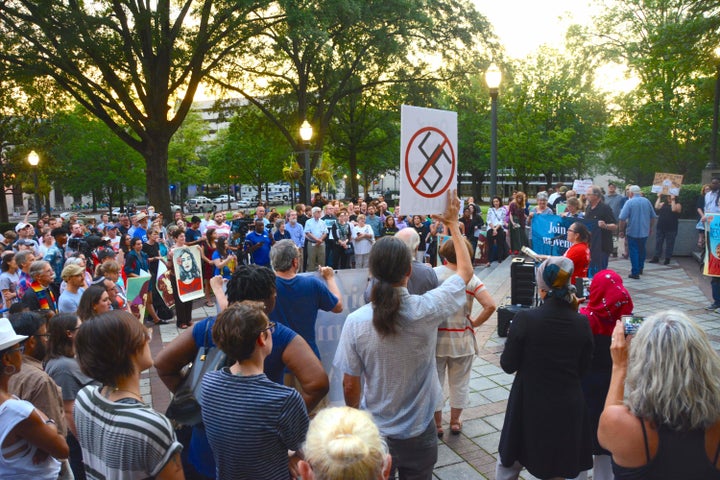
[(440, 431), (209, 304), (456, 427)]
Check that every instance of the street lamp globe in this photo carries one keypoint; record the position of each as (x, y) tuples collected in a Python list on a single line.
[(306, 131), (33, 158), (493, 77)]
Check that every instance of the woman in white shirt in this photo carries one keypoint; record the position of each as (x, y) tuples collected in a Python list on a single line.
[(497, 223), (363, 239)]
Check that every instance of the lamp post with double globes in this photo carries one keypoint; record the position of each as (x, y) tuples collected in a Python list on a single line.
[(493, 77), (34, 160), (306, 132)]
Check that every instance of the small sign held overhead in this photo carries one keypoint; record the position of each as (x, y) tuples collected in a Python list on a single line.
[(428, 159)]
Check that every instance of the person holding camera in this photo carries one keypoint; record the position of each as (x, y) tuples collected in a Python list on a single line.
[(667, 424), (668, 210)]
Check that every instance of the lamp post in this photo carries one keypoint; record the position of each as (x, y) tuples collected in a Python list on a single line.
[(493, 77), (306, 132), (714, 133), (34, 160)]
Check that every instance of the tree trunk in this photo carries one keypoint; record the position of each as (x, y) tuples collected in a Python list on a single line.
[(352, 161), (3, 205), (157, 183)]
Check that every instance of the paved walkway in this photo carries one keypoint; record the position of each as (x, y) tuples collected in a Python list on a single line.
[(472, 454)]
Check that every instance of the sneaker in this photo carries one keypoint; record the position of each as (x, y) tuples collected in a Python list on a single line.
[(637, 277), (654, 260), (712, 306), (717, 310)]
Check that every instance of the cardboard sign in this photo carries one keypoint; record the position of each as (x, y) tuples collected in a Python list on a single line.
[(667, 184)]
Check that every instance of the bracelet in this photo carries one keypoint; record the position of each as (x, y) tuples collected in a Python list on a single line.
[(50, 420)]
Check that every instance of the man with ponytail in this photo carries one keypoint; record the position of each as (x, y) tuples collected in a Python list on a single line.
[(390, 343)]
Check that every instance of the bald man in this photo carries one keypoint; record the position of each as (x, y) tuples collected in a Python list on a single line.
[(422, 275)]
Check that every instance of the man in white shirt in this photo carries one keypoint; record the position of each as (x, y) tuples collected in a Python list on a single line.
[(316, 232)]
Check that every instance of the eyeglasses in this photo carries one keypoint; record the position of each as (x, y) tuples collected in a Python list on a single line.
[(568, 230), (271, 326), (44, 335), (20, 349)]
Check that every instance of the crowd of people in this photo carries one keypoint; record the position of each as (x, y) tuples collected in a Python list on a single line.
[(72, 348)]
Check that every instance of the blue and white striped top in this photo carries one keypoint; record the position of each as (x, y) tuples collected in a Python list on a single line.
[(251, 422)]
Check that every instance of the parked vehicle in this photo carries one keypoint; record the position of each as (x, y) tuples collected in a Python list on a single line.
[(200, 204), (223, 199)]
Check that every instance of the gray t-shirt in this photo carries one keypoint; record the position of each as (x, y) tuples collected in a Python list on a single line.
[(8, 281), (68, 302), (66, 372)]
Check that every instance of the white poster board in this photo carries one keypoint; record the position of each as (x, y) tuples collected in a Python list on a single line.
[(581, 186), (428, 159)]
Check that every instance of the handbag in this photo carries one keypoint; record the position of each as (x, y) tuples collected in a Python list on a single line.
[(184, 407)]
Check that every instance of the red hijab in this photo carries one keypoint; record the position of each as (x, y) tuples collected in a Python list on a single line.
[(607, 302)]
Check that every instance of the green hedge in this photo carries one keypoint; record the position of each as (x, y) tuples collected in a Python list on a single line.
[(688, 198)]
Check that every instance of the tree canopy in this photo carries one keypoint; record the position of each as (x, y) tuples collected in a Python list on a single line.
[(135, 65)]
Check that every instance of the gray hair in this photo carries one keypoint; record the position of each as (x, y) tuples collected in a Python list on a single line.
[(542, 196), (282, 255), (21, 257), (673, 376), (37, 268), (409, 237), (597, 191)]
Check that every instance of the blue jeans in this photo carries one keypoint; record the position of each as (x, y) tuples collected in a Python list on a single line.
[(414, 458), (668, 238), (598, 261), (715, 284), (636, 251)]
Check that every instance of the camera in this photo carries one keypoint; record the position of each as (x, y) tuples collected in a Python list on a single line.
[(632, 323)]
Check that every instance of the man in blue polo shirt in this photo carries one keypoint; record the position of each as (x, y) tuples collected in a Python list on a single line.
[(639, 216), (258, 243)]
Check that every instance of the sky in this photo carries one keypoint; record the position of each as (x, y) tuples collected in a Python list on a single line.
[(524, 25)]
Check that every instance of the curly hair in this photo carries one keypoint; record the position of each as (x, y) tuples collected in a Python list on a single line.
[(673, 376), (251, 282)]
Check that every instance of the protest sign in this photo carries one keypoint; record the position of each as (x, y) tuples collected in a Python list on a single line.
[(428, 159), (667, 184)]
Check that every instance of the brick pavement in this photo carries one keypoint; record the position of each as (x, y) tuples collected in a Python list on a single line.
[(472, 454)]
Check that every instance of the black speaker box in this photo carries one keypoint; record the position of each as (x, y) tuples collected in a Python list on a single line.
[(522, 281), (505, 315)]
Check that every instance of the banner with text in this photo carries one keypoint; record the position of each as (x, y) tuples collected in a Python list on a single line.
[(549, 234)]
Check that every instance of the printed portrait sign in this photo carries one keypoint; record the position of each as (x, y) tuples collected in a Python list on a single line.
[(712, 245), (188, 272)]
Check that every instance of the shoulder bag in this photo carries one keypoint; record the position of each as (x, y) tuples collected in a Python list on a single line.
[(184, 408)]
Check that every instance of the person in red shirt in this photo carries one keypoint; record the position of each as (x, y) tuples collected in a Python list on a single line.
[(579, 252)]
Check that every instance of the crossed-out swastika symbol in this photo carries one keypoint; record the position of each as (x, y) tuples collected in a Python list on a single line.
[(431, 155)]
